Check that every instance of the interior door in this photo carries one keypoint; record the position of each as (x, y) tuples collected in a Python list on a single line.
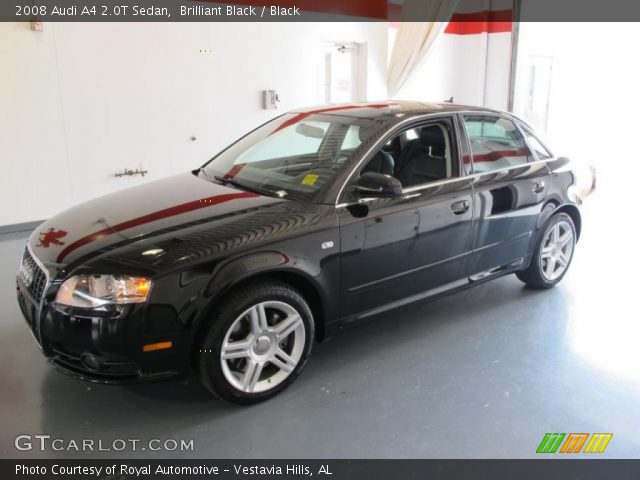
[(536, 107), (341, 68)]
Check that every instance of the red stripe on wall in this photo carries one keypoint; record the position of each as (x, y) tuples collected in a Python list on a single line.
[(487, 21), (474, 28), (159, 215)]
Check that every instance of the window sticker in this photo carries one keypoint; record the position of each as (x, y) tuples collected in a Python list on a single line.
[(310, 179)]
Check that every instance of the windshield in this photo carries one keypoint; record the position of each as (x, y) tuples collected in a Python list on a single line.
[(295, 156)]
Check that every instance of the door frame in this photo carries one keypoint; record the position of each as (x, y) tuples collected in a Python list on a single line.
[(360, 88), (408, 124)]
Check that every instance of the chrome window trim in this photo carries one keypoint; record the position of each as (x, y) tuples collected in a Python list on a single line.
[(462, 174), (471, 177)]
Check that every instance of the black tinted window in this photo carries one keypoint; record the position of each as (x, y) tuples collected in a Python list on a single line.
[(496, 143), (417, 156)]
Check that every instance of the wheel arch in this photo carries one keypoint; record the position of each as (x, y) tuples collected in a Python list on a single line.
[(575, 215), (300, 282), (552, 208), (296, 279)]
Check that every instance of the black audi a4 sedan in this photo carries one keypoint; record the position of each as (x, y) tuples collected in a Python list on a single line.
[(312, 221)]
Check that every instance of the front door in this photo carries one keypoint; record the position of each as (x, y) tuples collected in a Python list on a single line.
[(377, 239), (398, 250)]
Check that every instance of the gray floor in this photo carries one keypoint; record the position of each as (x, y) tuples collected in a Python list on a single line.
[(484, 373)]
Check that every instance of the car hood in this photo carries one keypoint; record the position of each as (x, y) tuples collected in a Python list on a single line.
[(138, 216)]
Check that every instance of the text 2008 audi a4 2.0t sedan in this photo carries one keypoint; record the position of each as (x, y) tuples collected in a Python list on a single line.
[(315, 219)]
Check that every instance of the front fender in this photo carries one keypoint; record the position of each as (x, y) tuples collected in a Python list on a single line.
[(232, 272), (313, 282)]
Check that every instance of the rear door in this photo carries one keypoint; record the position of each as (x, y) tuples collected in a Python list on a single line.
[(509, 192)]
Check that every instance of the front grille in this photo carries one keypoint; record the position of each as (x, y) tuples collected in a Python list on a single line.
[(32, 276)]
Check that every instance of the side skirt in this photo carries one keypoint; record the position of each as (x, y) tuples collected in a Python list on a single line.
[(492, 272), (429, 295)]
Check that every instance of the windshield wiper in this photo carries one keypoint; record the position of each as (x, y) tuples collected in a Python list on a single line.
[(242, 186)]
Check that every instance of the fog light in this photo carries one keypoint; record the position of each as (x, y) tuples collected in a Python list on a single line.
[(90, 361)]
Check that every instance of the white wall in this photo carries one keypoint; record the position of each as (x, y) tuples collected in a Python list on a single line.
[(593, 102), (474, 69), (593, 119), (80, 101), (594, 95)]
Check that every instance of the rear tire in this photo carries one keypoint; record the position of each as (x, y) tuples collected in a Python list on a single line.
[(258, 343), (552, 254)]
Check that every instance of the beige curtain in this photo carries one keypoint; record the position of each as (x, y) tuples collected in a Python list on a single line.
[(414, 39)]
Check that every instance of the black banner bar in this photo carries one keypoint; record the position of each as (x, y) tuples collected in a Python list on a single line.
[(584, 469), (303, 11)]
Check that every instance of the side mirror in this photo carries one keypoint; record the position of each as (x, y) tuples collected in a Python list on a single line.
[(378, 185)]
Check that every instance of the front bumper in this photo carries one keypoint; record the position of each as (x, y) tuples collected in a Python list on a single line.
[(109, 373), (106, 349)]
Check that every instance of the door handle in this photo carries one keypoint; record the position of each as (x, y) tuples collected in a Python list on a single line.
[(538, 187), (460, 207)]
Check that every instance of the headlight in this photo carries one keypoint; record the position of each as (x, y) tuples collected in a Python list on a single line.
[(26, 273), (91, 291)]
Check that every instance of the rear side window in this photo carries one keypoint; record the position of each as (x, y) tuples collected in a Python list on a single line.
[(496, 143), (541, 152)]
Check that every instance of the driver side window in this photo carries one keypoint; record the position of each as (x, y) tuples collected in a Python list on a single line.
[(417, 156)]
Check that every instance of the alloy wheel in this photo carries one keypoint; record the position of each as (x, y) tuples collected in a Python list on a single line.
[(556, 251), (263, 346)]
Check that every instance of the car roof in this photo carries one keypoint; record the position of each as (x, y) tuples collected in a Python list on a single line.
[(388, 108)]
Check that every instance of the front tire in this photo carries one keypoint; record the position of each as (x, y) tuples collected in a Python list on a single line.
[(552, 254), (258, 343)]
